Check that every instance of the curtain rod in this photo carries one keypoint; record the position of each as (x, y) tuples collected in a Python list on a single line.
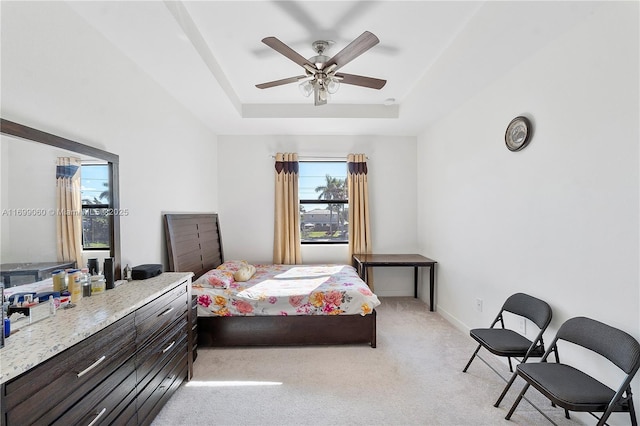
[(321, 157)]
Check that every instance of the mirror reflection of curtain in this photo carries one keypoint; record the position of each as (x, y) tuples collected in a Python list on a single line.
[(359, 229), (286, 236), (69, 210)]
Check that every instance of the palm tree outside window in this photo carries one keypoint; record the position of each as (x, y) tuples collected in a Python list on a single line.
[(324, 205), (96, 216)]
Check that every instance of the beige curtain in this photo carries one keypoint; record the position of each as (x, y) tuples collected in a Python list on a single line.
[(286, 238), (359, 229), (69, 210)]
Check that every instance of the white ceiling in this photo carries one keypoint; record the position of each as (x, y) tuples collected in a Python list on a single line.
[(434, 55)]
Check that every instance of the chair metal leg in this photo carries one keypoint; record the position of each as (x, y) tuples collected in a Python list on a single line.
[(506, 389), (632, 412), (471, 359), (510, 366), (602, 421), (517, 401), (555, 353)]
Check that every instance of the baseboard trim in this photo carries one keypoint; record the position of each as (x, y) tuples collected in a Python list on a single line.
[(453, 320)]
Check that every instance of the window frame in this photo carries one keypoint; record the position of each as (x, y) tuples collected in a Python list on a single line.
[(317, 201), (86, 208)]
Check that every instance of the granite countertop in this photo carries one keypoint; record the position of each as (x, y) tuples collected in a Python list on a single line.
[(33, 344)]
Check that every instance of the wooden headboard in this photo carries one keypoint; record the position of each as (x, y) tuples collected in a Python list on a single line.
[(194, 243)]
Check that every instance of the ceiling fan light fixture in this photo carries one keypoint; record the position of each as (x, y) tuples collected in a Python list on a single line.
[(333, 84), (322, 94), (306, 87)]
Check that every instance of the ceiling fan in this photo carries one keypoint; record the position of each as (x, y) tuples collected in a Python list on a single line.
[(321, 76)]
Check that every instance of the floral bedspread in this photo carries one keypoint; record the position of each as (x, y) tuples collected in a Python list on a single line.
[(289, 290)]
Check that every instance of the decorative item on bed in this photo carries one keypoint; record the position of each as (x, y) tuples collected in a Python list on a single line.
[(240, 304)]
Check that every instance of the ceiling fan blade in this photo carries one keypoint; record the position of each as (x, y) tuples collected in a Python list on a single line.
[(285, 50), (359, 80), (357, 47), (279, 82)]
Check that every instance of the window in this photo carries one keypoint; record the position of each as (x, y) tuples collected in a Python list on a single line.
[(96, 220), (324, 204)]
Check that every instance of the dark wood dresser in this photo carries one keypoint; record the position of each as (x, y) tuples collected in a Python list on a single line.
[(120, 371)]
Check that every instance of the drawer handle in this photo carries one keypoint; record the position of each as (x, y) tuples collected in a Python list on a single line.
[(165, 312), (169, 347), (98, 416), (91, 367)]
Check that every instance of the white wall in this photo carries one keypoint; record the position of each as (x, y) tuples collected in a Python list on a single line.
[(560, 219), (29, 192), (61, 76), (246, 193)]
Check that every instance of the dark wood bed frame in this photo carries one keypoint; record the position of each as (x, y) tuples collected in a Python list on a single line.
[(194, 244)]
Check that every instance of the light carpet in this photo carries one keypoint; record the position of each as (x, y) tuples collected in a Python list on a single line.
[(413, 377)]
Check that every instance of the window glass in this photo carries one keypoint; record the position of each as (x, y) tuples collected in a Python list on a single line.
[(96, 220), (324, 206)]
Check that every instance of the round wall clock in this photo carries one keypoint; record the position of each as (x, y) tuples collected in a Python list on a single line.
[(518, 133)]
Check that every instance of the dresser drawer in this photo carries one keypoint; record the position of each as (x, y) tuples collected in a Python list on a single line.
[(155, 355), (152, 308), (162, 386), (194, 327), (44, 393), (127, 417), (102, 403), (159, 314)]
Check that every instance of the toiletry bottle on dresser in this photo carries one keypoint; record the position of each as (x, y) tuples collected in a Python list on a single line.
[(75, 285), (6, 322), (86, 282)]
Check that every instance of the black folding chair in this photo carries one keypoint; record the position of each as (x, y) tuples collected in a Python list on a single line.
[(575, 390), (505, 342)]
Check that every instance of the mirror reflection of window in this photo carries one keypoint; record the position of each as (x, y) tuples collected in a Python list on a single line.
[(29, 203), (96, 220)]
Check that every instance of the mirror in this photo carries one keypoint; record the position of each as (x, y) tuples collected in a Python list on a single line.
[(29, 236)]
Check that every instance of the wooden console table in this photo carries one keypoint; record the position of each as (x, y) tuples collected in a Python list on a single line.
[(362, 261)]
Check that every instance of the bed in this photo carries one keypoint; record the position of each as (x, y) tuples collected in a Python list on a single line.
[(194, 244)]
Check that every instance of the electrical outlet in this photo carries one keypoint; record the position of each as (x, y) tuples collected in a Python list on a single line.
[(522, 324), (479, 305)]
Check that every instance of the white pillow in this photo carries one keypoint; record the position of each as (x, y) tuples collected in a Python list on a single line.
[(244, 273)]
